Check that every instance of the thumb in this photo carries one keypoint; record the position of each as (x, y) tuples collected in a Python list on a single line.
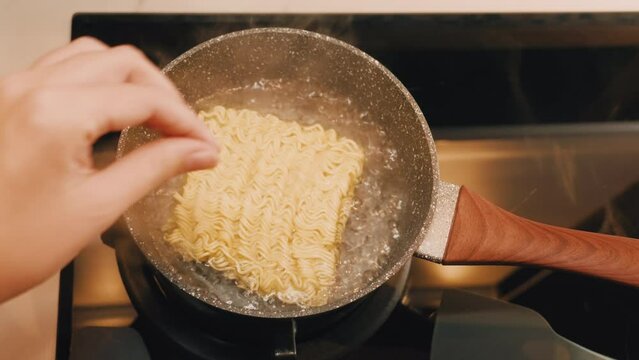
[(130, 178)]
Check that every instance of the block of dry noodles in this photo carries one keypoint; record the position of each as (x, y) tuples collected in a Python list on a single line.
[(270, 216)]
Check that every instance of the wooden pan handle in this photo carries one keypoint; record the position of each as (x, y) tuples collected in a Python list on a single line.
[(483, 233)]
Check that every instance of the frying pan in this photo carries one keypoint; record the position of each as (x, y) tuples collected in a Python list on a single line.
[(440, 222)]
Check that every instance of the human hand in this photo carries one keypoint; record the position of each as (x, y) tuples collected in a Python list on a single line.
[(53, 201)]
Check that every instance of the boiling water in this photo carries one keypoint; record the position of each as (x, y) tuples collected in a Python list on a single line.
[(372, 228)]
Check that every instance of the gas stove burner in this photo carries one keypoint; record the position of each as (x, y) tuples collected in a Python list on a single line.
[(175, 325)]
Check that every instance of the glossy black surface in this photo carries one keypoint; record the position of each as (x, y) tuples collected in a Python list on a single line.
[(464, 70), (600, 315), (177, 326), (484, 71)]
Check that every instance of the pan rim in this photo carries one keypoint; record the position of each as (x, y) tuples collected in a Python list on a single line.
[(391, 270)]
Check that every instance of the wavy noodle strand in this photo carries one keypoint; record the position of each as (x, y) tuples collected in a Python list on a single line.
[(270, 216)]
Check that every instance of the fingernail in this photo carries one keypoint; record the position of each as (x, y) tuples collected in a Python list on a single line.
[(202, 159)]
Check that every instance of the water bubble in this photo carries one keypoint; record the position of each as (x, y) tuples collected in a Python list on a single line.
[(395, 233)]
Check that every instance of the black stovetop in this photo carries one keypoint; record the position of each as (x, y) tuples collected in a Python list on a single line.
[(171, 325), (485, 72)]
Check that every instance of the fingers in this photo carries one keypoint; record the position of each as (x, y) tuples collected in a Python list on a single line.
[(116, 65), (128, 179), (97, 110), (78, 46)]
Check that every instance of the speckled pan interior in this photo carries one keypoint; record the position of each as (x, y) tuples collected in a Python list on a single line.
[(246, 57)]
